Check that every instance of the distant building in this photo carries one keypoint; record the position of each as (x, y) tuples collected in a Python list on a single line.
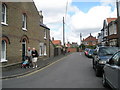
[(68, 45), (56, 42), (90, 41), (58, 47), (74, 44)]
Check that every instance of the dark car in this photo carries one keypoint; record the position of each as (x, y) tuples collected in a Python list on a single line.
[(111, 72), (90, 53), (86, 51), (101, 55)]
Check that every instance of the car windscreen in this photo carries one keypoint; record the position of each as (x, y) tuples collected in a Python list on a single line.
[(107, 51)]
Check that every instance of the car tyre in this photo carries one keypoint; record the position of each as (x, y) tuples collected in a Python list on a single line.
[(104, 81), (97, 72), (93, 64)]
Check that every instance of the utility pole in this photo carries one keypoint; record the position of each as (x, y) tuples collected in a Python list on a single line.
[(80, 41), (64, 49), (80, 38), (63, 33)]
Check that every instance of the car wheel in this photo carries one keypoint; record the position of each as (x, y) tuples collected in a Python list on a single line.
[(93, 64), (104, 80), (97, 72)]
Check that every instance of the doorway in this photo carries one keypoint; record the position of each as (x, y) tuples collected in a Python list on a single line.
[(23, 49)]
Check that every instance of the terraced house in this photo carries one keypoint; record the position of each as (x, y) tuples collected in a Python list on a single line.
[(22, 27)]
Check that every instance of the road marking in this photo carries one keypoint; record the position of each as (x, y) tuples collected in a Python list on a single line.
[(41, 68)]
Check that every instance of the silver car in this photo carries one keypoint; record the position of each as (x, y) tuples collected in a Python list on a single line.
[(111, 73)]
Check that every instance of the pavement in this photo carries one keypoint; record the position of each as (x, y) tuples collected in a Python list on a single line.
[(23, 71)]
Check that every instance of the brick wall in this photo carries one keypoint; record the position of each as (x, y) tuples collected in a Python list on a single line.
[(34, 34)]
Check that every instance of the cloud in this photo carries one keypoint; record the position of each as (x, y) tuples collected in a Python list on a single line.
[(76, 21)]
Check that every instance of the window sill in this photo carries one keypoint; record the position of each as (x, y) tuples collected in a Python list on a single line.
[(45, 54), (3, 23), (24, 29), (3, 60), (45, 38)]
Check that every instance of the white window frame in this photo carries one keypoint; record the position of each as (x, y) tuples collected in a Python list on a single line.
[(45, 50), (4, 22), (119, 7), (45, 34), (3, 59), (24, 21), (41, 50)]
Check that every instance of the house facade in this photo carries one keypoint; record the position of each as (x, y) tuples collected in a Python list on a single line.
[(22, 27), (113, 33), (90, 41), (108, 35)]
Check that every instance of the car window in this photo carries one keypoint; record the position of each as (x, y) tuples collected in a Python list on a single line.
[(115, 59), (107, 51)]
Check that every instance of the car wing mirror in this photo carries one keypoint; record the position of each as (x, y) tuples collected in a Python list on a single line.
[(107, 62)]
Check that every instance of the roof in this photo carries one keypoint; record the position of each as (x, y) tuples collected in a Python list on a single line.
[(56, 42), (110, 19), (90, 38), (43, 25)]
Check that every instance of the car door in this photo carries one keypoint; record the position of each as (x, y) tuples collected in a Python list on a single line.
[(111, 70)]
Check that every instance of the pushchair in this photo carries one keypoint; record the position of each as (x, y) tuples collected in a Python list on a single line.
[(25, 63)]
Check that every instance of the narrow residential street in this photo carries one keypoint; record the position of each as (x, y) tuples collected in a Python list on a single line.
[(73, 71)]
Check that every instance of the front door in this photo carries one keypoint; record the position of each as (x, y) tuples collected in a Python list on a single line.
[(23, 49), (3, 51)]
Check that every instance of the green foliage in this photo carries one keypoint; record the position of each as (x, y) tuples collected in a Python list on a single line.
[(91, 47), (82, 46)]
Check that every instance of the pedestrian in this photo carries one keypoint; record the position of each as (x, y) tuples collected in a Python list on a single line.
[(34, 57), (29, 54)]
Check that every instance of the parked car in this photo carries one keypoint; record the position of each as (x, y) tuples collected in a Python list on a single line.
[(86, 51), (90, 53), (101, 55), (111, 72)]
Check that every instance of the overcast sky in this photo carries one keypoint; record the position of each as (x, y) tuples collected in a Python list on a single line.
[(81, 17)]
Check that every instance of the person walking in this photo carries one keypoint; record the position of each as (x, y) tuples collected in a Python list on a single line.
[(29, 54), (34, 57)]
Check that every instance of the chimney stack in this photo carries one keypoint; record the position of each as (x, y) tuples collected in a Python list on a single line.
[(52, 38), (41, 17)]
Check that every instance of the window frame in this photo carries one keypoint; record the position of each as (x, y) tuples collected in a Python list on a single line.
[(45, 34), (5, 52), (45, 50), (4, 15), (24, 21)]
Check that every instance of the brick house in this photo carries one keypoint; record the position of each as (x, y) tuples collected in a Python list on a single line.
[(58, 50), (112, 33), (90, 41), (22, 26)]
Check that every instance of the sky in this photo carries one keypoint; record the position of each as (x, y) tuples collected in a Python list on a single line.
[(81, 16)]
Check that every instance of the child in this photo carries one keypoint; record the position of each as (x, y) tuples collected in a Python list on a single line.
[(25, 63)]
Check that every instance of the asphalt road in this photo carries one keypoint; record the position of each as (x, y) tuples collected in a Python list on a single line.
[(73, 71)]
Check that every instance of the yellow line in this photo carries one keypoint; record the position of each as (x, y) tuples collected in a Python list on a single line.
[(42, 68)]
